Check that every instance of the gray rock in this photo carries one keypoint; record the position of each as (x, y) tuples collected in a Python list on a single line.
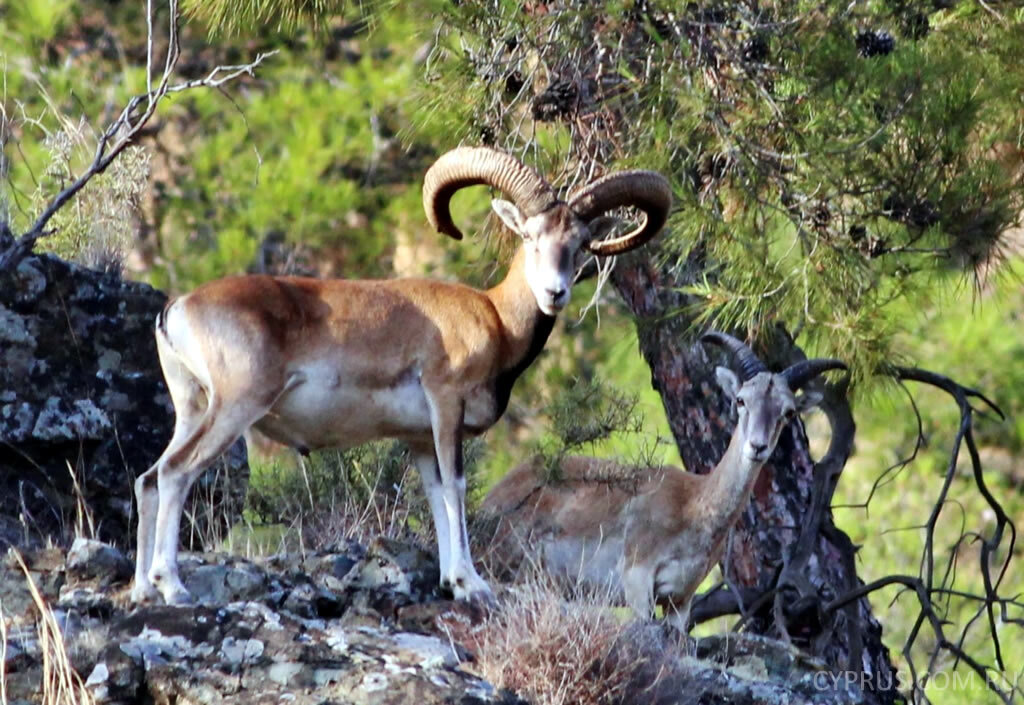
[(81, 387), (88, 559), (221, 583), (263, 636), (729, 669)]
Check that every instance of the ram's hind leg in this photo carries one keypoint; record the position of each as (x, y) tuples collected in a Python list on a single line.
[(189, 401), (221, 425)]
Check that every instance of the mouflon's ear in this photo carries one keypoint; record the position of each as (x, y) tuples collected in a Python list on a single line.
[(728, 381), (510, 215), (807, 400)]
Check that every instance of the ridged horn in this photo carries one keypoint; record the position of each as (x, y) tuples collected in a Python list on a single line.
[(800, 373), (750, 364), (468, 166), (648, 191)]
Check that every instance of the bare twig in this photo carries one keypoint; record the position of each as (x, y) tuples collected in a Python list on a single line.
[(124, 130), (928, 587)]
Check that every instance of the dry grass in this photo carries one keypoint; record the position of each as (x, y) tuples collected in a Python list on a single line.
[(61, 684), (97, 229), (553, 651), (297, 503), (3, 656), (85, 524)]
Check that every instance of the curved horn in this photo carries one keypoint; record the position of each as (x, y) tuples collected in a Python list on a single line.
[(468, 166), (800, 373), (750, 364), (647, 190)]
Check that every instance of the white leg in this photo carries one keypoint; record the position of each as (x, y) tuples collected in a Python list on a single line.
[(465, 582), (163, 571), (221, 426), (638, 588), (147, 501), (430, 477), (189, 403)]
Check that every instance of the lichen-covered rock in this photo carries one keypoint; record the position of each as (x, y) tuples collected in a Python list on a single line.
[(81, 392), (262, 632), (728, 669), (314, 628), (89, 558)]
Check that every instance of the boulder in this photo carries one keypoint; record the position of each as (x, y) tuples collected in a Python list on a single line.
[(84, 408)]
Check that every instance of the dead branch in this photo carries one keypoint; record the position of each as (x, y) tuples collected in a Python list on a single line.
[(932, 587), (128, 126)]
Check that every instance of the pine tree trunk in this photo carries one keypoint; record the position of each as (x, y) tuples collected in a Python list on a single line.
[(784, 496)]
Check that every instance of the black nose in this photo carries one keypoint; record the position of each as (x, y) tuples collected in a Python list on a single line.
[(759, 448), (556, 293)]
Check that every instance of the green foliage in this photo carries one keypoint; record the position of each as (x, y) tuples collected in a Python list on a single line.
[(338, 182), (331, 495), (311, 151), (974, 339), (822, 179), (338, 494), (97, 229), (223, 17), (33, 22)]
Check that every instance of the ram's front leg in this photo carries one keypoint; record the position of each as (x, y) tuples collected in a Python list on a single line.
[(460, 576), (425, 459)]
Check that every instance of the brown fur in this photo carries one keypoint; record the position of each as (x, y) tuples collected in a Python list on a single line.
[(666, 528)]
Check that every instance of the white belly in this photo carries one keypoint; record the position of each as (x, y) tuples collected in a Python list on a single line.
[(323, 411), (593, 562)]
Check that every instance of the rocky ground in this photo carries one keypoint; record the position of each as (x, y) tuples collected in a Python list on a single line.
[(353, 624)]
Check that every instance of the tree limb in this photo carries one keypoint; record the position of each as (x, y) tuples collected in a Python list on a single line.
[(123, 131)]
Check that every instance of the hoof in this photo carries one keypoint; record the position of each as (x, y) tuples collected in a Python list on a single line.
[(178, 596), (681, 639), (170, 587), (476, 592), (482, 600), (144, 594)]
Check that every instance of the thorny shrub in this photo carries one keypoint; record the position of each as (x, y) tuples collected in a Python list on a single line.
[(554, 651)]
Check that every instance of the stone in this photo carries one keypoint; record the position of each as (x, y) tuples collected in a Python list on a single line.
[(261, 635), (88, 559), (84, 409)]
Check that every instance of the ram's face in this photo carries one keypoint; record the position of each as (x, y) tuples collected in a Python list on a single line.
[(551, 240)]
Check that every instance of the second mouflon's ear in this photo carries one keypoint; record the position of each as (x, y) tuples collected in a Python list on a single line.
[(728, 381), (510, 215), (807, 400)]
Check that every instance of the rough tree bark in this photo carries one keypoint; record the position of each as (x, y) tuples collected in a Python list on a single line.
[(765, 540)]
